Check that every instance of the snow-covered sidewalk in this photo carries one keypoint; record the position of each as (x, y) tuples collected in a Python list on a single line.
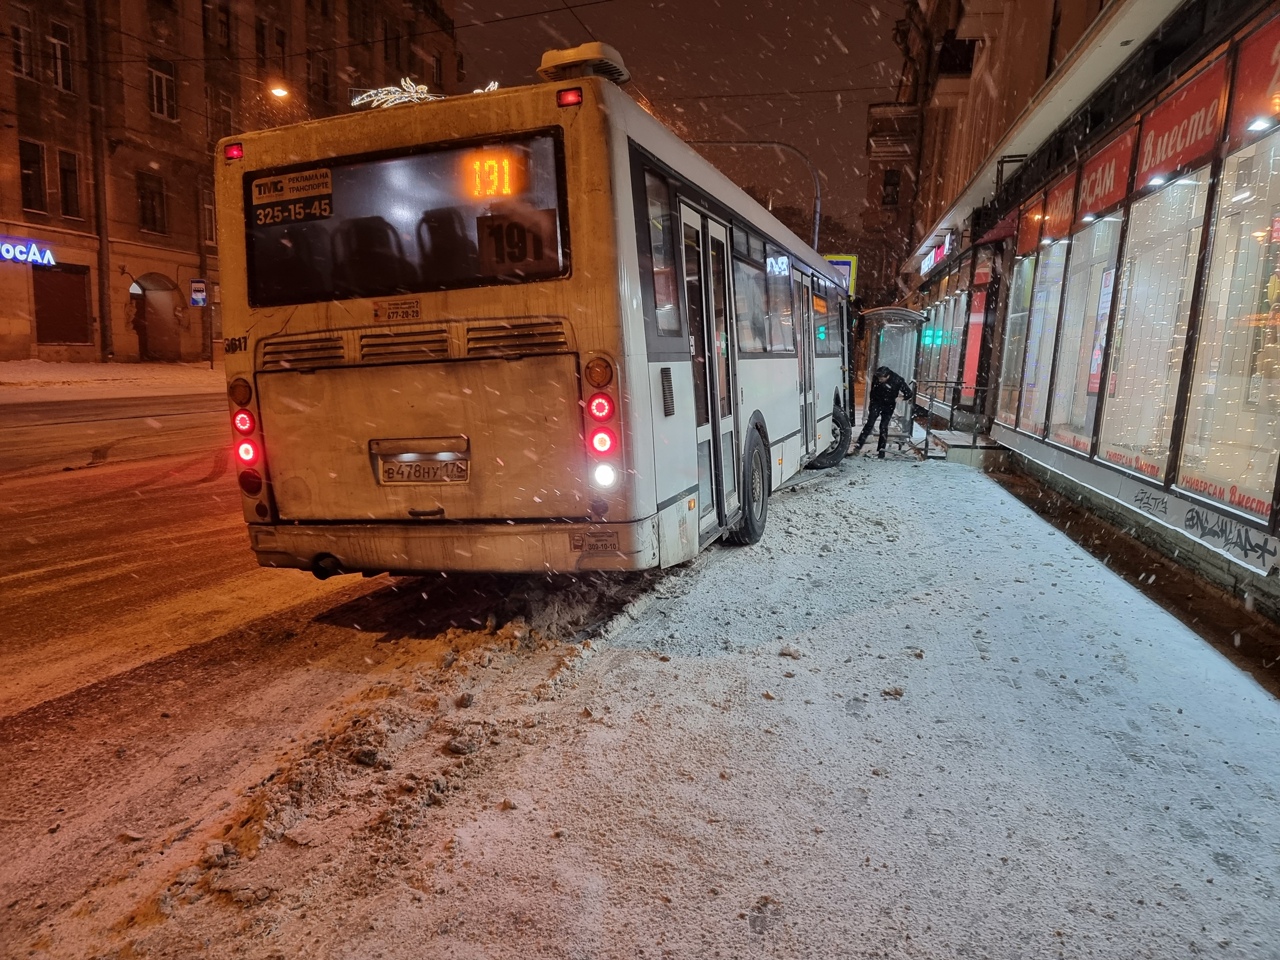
[(38, 381), (913, 722)]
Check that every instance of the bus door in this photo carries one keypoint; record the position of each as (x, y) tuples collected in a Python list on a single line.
[(713, 346), (802, 297)]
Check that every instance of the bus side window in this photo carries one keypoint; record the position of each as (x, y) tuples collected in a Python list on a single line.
[(662, 250), (782, 332), (748, 292)]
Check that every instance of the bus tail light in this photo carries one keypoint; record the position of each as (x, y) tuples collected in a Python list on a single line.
[(569, 97), (234, 151), (244, 422), (604, 475), (247, 452), (602, 441), (250, 482), (600, 407), (599, 373)]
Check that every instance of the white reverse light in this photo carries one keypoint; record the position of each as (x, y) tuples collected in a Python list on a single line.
[(604, 475)]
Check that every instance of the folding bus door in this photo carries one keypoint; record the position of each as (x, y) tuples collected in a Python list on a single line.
[(712, 344), (802, 297)]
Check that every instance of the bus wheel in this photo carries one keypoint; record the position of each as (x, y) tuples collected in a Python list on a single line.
[(839, 449), (755, 492)]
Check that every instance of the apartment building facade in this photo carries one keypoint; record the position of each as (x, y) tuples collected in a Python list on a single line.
[(131, 95)]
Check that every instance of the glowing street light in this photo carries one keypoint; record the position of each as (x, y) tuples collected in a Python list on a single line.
[(279, 91)]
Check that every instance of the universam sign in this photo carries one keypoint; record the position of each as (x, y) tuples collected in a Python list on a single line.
[(25, 251)]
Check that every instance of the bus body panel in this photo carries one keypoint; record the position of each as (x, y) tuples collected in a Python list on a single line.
[(496, 548), (511, 430)]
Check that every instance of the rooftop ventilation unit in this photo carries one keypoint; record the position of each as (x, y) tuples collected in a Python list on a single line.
[(587, 60)]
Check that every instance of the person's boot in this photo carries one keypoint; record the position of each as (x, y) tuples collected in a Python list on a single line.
[(880, 454)]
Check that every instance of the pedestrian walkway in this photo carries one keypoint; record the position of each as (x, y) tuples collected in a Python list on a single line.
[(38, 381)]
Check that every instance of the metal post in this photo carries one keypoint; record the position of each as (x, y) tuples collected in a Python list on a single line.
[(813, 171)]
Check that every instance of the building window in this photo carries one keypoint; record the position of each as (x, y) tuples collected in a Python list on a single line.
[(20, 39), (325, 79), (1229, 452), (220, 118), (208, 219), (224, 26), (281, 47), (1151, 325), (390, 46), (260, 42), (60, 55), (69, 183), (461, 69), (31, 162), (151, 206), (163, 89), (437, 71), (889, 187), (1085, 310)]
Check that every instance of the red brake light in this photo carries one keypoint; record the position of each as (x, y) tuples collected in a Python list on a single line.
[(246, 451), (569, 97), (243, 421), (603, 441), (600, 407), (234, 151)]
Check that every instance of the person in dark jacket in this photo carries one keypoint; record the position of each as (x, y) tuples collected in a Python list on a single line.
[(886, 387)]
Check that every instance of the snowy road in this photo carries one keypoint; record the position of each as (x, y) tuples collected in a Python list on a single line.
[(980, 744)]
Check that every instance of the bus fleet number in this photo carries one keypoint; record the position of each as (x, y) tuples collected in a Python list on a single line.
[(235, 344)]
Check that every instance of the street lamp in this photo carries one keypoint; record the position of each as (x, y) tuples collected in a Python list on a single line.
[(778, 144)]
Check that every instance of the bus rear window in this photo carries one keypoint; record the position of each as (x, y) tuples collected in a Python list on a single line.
[(456, 217)]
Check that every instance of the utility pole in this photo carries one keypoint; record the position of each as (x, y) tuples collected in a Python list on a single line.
[(778, 144), (98, 151)]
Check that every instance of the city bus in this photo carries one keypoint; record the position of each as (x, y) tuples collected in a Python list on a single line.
[(522, 330)]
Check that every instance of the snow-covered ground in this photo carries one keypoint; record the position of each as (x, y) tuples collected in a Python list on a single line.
[(914, 722), (29, 381)]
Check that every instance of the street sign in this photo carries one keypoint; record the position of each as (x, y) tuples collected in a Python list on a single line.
[(847, 266), (198, 296)]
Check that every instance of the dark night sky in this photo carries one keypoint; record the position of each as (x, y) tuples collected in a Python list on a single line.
[(798, 71)]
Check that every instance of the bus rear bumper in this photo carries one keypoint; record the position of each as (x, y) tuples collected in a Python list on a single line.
[(492, 548)]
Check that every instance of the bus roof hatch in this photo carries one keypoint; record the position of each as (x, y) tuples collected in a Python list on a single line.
[(587, 60)]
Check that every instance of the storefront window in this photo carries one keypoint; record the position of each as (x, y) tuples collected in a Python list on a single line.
[(1015, 339), (1042, 325), (1229, 453), (1151, 325), (1085, 308)]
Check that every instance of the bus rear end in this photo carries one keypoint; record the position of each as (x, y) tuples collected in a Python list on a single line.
[(424, 371)]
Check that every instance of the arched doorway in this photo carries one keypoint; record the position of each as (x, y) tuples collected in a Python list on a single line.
[(156, 306)]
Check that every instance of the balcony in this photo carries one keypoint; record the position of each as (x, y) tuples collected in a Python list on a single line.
[(980, 19), (893, 130)]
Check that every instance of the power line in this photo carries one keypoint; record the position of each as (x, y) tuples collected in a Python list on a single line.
[(774, 94)]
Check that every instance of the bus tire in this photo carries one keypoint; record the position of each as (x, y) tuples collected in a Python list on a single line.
[(842, 431), (755, 492)]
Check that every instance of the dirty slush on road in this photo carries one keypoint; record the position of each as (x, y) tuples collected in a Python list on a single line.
[(131, 865)]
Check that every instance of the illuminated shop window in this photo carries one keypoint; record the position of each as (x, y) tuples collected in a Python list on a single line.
[(1090, 281), (1151, 325), (1015, 340), (1042, 326), (1229, 452)]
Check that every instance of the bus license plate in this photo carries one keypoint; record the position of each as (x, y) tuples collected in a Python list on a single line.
[(391, 470)]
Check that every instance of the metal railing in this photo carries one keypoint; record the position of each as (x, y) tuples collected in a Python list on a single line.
[(944, 393)]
